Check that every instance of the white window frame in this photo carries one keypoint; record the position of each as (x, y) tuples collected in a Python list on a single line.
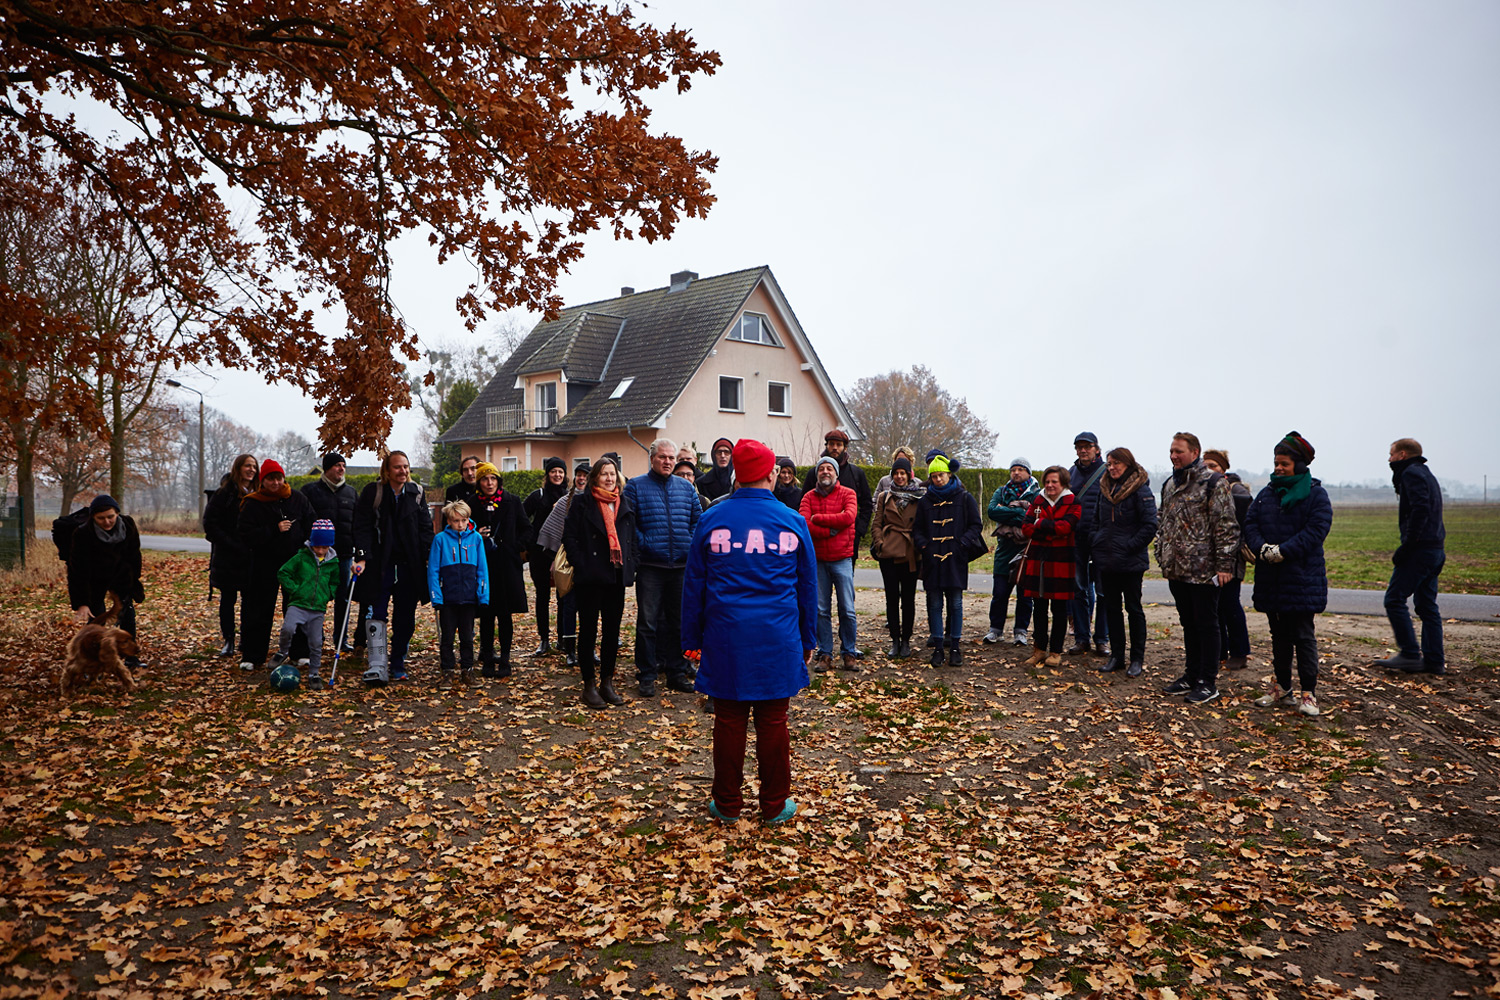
[(579, 463), (740, 387), (510, 463), (763, 324), (542, 390), (786, 399)]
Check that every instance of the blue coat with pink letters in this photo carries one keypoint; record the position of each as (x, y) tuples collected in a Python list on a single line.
[(750, 598)]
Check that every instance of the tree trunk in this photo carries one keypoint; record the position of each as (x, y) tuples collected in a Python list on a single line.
[(26, 487), (117, 443)]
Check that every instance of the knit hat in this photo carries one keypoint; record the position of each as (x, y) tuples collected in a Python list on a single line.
[(829, 460), (485, 469), (782, 462), (1087, 436), (1217, 455), (1294, 445), (1022, 462), (721, 441), (331, 459), (322, 532), (614, 457), (953, 463), (901, 462), (753, 461), (584, 467), (683, 463), (271, 467), (103, 502), (554, 463), (939, 463)]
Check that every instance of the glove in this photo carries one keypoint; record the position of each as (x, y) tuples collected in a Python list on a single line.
[(1271, 553), (1398, 557), (1044, 529)]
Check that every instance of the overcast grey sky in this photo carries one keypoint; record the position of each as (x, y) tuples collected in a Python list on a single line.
[(1132, 218)]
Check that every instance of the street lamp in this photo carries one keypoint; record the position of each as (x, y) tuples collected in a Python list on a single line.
[(178, 385)]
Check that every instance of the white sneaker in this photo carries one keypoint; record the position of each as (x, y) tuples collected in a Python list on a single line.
[(1276, 696), (1307, 704), (303, 663), (992, 636), (247, 666), (1020, 639)]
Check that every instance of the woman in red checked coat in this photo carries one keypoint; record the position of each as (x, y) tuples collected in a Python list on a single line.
[(1047, 574)]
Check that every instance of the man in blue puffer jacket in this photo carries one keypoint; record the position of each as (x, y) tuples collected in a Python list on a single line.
[(1416, 562), (665, 509)]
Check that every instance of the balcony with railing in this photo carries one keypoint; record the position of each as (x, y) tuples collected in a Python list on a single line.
[(501, 420)]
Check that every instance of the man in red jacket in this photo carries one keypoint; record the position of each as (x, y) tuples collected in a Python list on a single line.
[(830, 510)]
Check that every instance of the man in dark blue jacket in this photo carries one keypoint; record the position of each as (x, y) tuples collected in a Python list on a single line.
[(1418, 560), (1084, 478), (666, 510)]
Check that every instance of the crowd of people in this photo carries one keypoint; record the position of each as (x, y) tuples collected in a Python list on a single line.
[(723, 608)]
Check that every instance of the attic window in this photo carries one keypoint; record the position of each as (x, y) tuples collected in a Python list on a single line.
[(620, 389), (754, 328)]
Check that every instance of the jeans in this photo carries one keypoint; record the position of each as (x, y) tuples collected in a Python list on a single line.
[(836, 574), (1198, 611), (1000, 603), (1293, 631), (900, 598), (1082, 606), (600, 610), (1115, 588), (953, 598), (1417, 577), (456, 618), (399, 589), (1234, 633), (1059, 609), (773, 754), (658, 622)]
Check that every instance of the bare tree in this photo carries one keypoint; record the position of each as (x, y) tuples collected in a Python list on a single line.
[(910, 408), (453, 361)]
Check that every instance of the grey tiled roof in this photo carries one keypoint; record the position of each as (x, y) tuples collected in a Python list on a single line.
[(665, 338)]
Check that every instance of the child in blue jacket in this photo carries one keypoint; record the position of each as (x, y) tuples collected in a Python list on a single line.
[(458, 578)]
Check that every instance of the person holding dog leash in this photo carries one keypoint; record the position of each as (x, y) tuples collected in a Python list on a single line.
[(105, 558)]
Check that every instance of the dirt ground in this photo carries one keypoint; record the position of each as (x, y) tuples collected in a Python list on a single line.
[(986, 830)]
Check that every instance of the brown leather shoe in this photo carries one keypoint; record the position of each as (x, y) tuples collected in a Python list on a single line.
[(850, 663)]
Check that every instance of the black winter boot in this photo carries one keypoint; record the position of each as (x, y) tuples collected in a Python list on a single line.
[(937, 655)]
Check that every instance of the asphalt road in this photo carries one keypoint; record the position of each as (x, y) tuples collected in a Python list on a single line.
[(1466, 607)]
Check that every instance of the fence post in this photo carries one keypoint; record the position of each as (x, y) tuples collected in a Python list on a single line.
[(21, 525)]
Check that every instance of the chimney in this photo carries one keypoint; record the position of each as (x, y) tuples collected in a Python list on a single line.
[(682, 279), (626, 290)]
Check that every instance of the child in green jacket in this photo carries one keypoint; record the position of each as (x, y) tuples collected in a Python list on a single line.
[(310, 578)]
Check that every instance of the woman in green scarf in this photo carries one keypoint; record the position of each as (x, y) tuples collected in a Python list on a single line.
[(1285, 528)]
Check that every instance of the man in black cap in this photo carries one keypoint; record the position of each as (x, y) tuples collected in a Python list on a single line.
[(1084, 478), (333, 498), (537, 506)]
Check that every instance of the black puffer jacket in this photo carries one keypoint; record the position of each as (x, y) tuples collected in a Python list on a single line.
[(229, 565), (337, 505), (96, 566), (1123, 527), (270, 547), (399, 534)]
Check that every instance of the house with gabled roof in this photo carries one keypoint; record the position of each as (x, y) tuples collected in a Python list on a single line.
[(695, 360)]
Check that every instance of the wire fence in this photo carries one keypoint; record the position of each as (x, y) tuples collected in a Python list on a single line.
[(12, 535)]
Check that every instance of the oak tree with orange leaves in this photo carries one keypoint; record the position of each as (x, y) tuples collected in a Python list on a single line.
[(266, 154)]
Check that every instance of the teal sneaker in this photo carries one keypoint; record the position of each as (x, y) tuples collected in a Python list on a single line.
[(713, 810), (787, 812)]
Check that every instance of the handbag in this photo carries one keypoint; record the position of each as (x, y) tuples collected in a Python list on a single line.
[(562, 573)]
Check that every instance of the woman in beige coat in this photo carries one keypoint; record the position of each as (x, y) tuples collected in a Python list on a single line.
[(900, 563)]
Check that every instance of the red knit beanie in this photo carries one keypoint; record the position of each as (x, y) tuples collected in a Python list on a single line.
[(753, 461), (270, 466)]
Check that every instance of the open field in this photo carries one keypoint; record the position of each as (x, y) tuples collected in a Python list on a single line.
[(986, 831), (1363, 537)]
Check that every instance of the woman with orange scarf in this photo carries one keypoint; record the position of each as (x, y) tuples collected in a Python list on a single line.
[(599, 544)]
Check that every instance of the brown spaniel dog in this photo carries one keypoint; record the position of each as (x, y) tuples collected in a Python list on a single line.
[(98, 649)]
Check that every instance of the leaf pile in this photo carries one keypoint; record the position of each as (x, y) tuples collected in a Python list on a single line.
[(982, 831)]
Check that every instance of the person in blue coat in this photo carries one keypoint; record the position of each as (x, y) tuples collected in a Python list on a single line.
[(749, 613), (459, 581), (1285, 528)]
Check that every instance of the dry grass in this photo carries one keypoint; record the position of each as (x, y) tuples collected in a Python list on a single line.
[(42, 570)]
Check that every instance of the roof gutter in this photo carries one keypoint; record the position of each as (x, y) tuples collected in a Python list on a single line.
[(644, 447)]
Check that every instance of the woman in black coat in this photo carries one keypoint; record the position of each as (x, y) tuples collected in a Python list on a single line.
[(104, 557), (229, 561), (273, 524), (501, 519), (600, 547), (392, 539), (1124, 524), (538, 505), (948, 532)]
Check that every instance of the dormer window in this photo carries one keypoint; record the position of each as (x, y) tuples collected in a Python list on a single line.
[(754, 328)]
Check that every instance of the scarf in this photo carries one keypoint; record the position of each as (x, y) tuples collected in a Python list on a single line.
[(1180, 476), (265, 494), (112, 536), (608, 499), (904, 495), (1116, 490), (822, 492), (334, 483), (1292, 489), (945, 492), (1399, 467)]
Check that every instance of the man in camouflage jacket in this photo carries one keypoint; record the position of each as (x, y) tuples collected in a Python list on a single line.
[(1196, 545)]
